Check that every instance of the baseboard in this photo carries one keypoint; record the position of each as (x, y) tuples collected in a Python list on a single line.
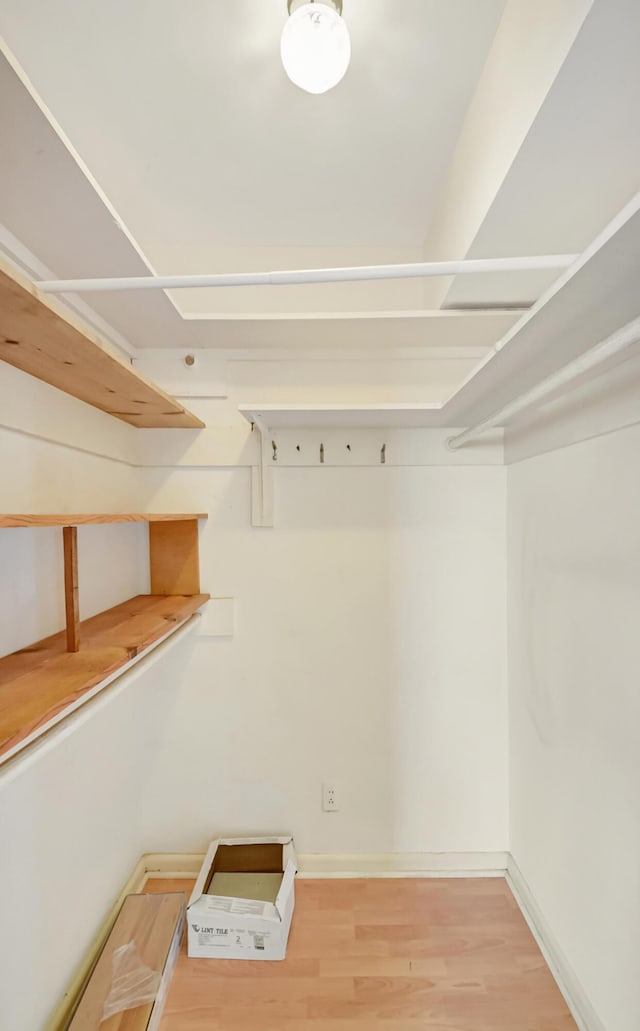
[(133, 884), (172, 864), (574, 994), (404, 864), (376, 864)]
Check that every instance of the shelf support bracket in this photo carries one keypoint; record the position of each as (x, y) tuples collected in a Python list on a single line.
[(70, 542), (262, 479)]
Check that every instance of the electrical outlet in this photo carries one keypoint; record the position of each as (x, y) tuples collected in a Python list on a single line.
[(330, 798)]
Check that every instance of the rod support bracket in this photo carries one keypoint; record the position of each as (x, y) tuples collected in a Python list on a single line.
[(262, 477)]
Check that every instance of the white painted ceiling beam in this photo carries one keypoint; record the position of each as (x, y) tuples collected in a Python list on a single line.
[(578, 164), (530, 46)]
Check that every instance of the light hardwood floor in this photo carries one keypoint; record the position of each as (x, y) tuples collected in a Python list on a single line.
[(393, 955)]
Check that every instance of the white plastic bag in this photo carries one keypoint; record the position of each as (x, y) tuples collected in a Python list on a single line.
[(133, 983)]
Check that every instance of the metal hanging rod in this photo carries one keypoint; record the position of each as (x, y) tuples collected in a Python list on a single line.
[(422, 270)]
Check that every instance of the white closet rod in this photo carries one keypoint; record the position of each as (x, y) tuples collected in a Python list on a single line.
[(294, 277), (608, 348)]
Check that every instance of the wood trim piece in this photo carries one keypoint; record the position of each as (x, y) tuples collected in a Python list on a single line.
[(373, 866), (38, 684), (151, 923), (40, 337), (62, 1013), (174, 557), (67, 519), (403, 864), (71, 604)]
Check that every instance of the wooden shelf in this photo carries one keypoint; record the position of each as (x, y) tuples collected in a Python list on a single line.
[(42, 338), (66, 519), (40, 684)]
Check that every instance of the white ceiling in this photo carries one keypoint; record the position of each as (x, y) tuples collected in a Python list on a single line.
[(165, 136), (186, 118), (584, 146)]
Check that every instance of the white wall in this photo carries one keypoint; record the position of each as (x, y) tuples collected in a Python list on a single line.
[(370, 649), (70, 816), (69, 807), (574, 656), (37, 476)]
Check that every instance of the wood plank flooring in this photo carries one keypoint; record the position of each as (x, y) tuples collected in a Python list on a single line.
[(395, 955)]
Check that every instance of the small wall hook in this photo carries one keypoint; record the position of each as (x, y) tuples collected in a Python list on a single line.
[(348, 447), (383, 454), (275, 451), (322, 454)]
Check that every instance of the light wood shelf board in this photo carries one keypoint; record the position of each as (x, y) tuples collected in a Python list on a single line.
[(174, 557), (75, 519), (38, 336), (41, 681)]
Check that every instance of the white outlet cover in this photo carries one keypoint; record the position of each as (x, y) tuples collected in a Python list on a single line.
[(218, 618), (330, 798)]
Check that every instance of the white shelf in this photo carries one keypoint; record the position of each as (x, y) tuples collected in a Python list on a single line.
[(337, 416)]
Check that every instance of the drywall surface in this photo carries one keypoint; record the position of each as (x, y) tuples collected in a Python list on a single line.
[(574, 656), (369, 651), (71, 835), (37, 476), (69, 806)]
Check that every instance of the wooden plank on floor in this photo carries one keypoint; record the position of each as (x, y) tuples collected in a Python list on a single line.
[(145, 927)]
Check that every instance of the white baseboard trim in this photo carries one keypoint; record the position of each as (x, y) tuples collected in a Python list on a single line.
[(375, 864), (172, 864), (404, 864), (574, 994)]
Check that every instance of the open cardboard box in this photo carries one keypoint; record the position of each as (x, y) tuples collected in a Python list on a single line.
[(242, 903)]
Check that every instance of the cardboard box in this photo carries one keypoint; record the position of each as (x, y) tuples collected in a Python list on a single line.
[(242, 903)]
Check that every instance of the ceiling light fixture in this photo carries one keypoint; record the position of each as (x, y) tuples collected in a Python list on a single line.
[(315, 46)]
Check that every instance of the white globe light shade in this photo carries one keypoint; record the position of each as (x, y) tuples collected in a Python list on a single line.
[(315, 48)]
